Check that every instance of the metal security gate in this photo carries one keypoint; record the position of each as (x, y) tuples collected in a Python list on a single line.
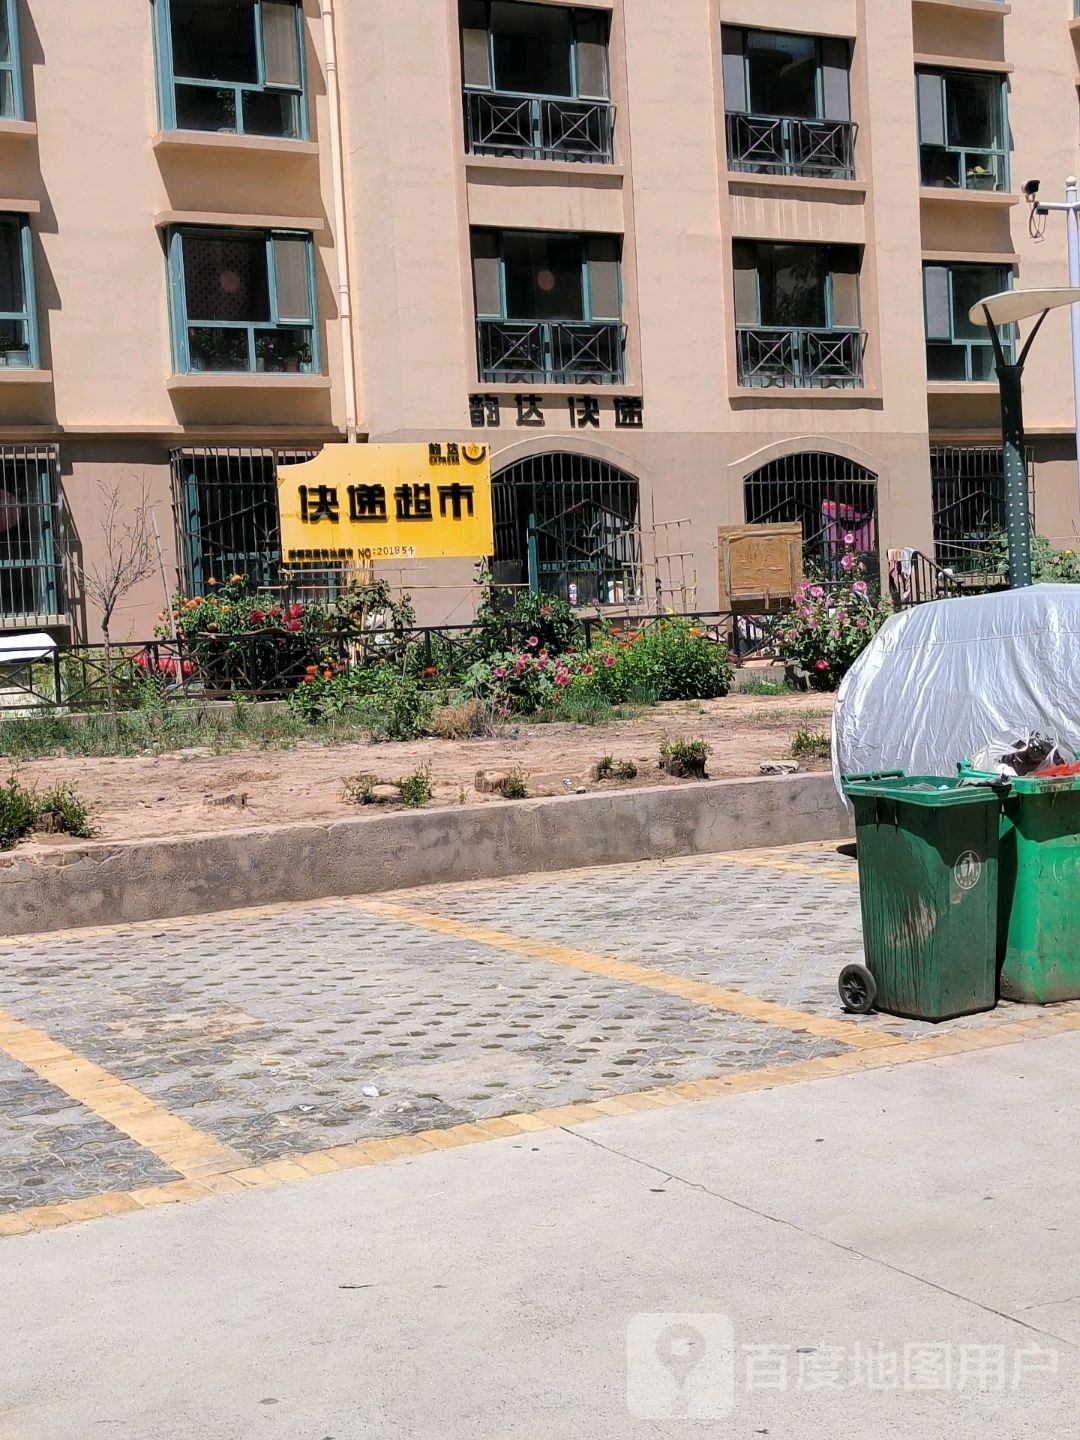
[(568, 525), (225, 502), (830, 497), (968, 488), (32, 542)]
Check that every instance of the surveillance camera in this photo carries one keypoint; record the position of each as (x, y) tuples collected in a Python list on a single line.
[(1031, 188)]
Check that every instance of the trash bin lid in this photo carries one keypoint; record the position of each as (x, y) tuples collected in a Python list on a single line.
[(932, 791)]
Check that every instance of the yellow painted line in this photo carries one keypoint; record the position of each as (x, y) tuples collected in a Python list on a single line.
[(176, 1143), (339, 1158), (697, 992), (764, 862)]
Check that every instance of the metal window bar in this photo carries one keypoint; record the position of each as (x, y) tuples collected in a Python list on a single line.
[(226, 514), (799, 359), (537, 127), (527, 352), (968, 500), (953, 168), (830, 497), (569, 525), (777, 145), (32, 538)]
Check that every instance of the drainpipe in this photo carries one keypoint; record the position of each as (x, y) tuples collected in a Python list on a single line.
[(333, 102)]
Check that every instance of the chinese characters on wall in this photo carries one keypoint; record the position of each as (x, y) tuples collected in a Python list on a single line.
[(530, 412)]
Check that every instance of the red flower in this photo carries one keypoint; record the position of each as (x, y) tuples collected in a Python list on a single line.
[(276, 613), (429, 672), (294, 625), (256, 617), (295, 611)]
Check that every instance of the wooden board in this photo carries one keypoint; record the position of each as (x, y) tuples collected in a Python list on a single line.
[(759, 563)]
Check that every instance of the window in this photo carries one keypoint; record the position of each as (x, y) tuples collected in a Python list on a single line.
[(569, 525), (18, 328), (962, 130), (797, 314), (243, 301), (11, 100), (968, 487), (536, 81), (235, 66), (788, 104), (830, 497), (955, 348), (548, 307), (30, 522), (227, 514)]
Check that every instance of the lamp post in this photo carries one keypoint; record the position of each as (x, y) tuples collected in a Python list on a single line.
[(1070, 207), (1007, 308)]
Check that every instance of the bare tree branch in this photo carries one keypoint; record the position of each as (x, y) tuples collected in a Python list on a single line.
[(128, 552)]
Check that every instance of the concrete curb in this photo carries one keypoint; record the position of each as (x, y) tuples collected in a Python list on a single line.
[(102, 883)]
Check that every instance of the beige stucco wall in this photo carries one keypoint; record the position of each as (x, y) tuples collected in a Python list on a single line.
[(101, 182)]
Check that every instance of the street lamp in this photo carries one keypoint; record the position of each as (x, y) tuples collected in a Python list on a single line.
[(1007, 308), (1070, 208)]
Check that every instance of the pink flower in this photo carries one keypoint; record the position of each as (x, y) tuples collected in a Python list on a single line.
[(834, 634), (849, 538), (532, 642), (499, 673), (792, 635), (860, 624), (294, 625), (817, 592), (859, 587), (800, 595), (821, 664), (504, 713), (586, 669), (543, 654), (848, 562), (541, 664), (519, 666), (554, 697), (609, 661), (811, 624), (562, 679), (806, 612)]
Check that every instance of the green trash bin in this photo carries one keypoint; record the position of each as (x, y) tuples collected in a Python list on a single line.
[(1039, 888), (928, 885)]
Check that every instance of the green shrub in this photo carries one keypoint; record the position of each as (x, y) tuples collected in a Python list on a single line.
[(396, 707), (58, 811), (18, 811), (608, 768), (672, 660), (685, 759), (359, 789), (546, 620), (1049, 565), (514, 786), (416, 789)]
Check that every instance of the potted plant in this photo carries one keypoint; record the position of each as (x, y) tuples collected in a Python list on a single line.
[(17, 355), (299, 360)]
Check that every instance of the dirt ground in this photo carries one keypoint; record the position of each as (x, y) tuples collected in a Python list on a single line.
[(193, 791)]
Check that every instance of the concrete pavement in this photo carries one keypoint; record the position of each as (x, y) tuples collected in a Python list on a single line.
[(593, 1154)]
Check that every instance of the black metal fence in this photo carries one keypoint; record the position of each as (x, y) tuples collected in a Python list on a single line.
[(269, 665)]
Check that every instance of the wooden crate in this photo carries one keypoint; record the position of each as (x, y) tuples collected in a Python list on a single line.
[(760, 565)]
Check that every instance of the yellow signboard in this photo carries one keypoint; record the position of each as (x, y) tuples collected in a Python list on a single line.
[(386, 502)]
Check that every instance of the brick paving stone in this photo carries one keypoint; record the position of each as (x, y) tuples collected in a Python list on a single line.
[(52, 1149), (264, 1032)]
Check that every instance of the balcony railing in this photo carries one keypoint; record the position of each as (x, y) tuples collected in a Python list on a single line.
[(800, 359), (536, 127), (528, 352), (774, 145)]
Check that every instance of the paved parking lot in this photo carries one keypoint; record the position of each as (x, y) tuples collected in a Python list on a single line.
[(164, 1061)]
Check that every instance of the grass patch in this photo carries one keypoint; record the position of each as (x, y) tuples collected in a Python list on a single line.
[(685, 759), (467, 721), (811, 745), (59, 811), (765, 687), (514, 786), (608, 768)]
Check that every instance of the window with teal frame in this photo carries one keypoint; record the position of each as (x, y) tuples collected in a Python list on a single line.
[(243, 301), (232, 66), (18, 327), (11, 97), (955, 348)]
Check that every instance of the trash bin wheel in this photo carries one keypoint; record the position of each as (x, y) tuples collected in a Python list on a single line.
[(858, 989)]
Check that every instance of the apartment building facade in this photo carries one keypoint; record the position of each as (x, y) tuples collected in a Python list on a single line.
[(681, 266)]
